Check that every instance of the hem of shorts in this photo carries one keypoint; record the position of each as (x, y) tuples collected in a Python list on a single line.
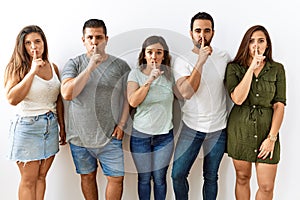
[(254, 161), (34, 159)]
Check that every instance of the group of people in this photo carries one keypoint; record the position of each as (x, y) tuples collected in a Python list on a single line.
[(100, 90)]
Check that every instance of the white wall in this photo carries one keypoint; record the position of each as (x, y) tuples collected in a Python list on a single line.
[(62, 23)]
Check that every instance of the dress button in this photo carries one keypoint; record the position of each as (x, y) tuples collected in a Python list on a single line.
[(253, 106), (255, 136), (256, 80), (257, 95), (255, 150)]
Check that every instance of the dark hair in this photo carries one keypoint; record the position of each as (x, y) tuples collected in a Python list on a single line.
[(166, 63), (243, 53), (203, 16), (19, 64), (94, 23)]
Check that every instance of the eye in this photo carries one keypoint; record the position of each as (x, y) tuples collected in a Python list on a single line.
[(27, 43), (207, 30), (261, 40), (89, 37), (251, 41)]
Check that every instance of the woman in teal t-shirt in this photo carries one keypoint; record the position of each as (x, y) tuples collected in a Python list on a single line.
[(150, 91)]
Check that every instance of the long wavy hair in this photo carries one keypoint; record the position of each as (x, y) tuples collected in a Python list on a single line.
[(20, 61), (166, 63), (243, 54)]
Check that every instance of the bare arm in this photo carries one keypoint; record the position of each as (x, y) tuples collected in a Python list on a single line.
[(60, 114), (72, 87), (241, 91), (268, 145), (135, 93), (17, 90), (188, 85)]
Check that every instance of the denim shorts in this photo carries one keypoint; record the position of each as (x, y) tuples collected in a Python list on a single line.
[(110, 156), (33, 138)]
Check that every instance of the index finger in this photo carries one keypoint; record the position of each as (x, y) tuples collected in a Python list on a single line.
[(202, 42), (256, 50), (34, 55)]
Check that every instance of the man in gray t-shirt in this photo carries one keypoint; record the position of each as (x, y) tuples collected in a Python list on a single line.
[(96, 111)]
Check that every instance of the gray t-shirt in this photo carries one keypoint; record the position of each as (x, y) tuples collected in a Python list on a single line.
[(91, 116)]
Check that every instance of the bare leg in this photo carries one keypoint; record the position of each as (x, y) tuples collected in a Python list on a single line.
[(89, 186), (266, 174), (114, 188), (29, 175), (243, 175), (41, 181)]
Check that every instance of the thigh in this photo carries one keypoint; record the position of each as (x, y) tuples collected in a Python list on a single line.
[(163, 146), (29, 170), (214, 147), (111, 158), (141, 151), (84, 161), (45, 166), (266, 173), (242, 168), (186, 150)]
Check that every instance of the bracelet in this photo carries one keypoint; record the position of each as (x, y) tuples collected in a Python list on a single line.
[(273, 138), (146, 84)]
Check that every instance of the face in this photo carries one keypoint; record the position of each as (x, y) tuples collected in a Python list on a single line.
[(202, 28), (154, 54), (94, 40), (258, 40), (34, 42)]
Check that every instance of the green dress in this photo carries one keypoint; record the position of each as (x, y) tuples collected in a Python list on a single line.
[(249, 124)]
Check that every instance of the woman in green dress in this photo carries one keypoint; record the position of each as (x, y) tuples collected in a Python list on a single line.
[(257, 87)]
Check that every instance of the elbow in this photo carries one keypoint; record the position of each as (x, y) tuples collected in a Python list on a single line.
[(132, 104), (237, 102), (67, 97), (13, 102), (186, 95)]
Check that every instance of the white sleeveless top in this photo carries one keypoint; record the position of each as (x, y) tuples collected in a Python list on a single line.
[(41, 97)]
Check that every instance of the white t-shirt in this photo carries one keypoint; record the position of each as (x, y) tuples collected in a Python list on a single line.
[(206, 110)]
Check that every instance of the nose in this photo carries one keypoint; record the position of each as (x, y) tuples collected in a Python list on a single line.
[(33, 46), (153, 55)]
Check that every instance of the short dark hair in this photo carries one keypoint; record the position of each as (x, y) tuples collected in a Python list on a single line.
[(94, 23), (204, 16)]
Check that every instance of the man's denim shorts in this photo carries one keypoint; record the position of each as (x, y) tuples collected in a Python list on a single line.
[(33, 138), (110, 156)]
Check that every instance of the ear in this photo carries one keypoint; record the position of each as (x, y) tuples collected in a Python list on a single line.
[(83, 39), (191, 34)]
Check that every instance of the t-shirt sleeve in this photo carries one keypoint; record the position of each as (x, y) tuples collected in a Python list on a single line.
[(181, 68), (280, 94), (70, 70), (132, 76)]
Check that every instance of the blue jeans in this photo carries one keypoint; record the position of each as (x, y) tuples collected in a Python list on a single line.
[(152, 155), (187, 150)]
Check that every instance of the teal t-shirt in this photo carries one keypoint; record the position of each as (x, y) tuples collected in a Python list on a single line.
[(154, 115)]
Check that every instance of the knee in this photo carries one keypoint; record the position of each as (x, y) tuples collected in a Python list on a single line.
[(210, 176), (266, 187), (178, 175), (115, 180), (91, 177), (243, 178)]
